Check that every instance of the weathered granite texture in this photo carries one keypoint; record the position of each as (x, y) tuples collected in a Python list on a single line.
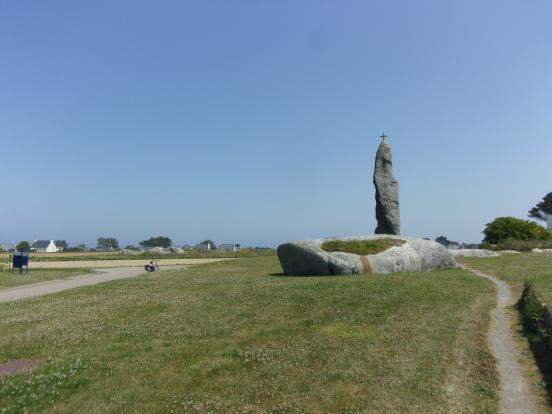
[(473, 253), (387, 192), (305, 257), (537, 250)]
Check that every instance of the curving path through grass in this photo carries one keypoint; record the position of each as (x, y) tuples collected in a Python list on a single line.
[(516, 396), (53, 286)]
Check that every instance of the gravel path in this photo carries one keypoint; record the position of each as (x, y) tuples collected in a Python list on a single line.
[(516, 396), (52, 286)]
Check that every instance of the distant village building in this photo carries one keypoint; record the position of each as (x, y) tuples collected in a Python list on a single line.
[(45, 246), (205, 246), (549, 221), (231, 247)]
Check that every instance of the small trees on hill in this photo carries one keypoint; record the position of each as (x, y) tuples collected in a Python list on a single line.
[(23, 246), (209, 243), (107, 243), (61, 244), (159, 241)]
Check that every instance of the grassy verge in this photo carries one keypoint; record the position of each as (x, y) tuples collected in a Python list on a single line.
[(534, 317), (516, 269), (360, 247), (238, 337), (536, 321), (76, 256), (8, 279), (531, 274)]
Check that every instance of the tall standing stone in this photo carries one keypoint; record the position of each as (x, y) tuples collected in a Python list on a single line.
[(387, 192)]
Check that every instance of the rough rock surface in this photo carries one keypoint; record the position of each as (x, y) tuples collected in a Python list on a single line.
[(387, 192), (128, 251), (474, 253), (305, 257)]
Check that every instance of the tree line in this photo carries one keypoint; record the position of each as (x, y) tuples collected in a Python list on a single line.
[(102, 243)]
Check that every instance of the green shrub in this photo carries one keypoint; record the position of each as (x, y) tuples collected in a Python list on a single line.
[(504, 229), (23, 246), (361, 247)]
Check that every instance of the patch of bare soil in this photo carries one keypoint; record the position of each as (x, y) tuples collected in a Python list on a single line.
[(18, 365)]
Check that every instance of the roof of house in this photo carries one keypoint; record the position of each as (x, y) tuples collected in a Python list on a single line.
[(40, 244)]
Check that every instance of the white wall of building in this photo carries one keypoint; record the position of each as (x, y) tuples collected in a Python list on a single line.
[(51, 247)]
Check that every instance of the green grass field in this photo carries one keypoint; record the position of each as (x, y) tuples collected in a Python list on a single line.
[(191, 254), (237, 336), (8, 279), (518, 268)]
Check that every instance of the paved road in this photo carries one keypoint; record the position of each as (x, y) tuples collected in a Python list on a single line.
[(516, 396), (52, 286)]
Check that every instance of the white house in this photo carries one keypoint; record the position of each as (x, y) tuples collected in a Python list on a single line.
[(549, 221), (44, 246)]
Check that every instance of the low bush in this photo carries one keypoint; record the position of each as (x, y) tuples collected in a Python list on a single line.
[(361, 247), (504, 229)]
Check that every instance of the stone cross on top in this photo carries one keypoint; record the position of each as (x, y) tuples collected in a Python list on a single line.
[(383, 136)]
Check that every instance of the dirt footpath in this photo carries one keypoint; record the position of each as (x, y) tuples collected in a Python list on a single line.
[(95, 264), (516, 396)]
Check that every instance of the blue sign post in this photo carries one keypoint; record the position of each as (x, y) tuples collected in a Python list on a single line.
[(20, 259)]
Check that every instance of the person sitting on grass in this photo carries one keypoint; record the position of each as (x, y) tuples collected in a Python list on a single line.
[(151, 267)]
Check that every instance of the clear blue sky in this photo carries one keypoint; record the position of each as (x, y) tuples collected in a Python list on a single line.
[(258, 121)]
